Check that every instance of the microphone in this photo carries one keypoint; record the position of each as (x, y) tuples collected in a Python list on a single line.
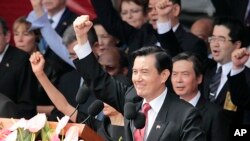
[(82, 96), (94, 109), (137, 118)]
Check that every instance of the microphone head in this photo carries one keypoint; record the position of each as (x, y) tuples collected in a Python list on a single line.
[(82, 94), (130, 111), (139, 121), (95, 108)]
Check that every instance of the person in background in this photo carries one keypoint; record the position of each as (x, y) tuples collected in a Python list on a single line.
[(135, 38), (186, 78), (227, 36), (133, 12), (203, 29), (151, 69), (105, 40), (16, 79), (28, 41)]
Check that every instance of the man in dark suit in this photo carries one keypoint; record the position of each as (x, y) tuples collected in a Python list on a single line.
[(16, 78), (169, 117), (239, 83), (227, 36), (147, 34), (186, 77)]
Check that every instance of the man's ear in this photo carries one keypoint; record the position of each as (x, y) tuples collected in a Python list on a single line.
[(165, 75), (176, 10)]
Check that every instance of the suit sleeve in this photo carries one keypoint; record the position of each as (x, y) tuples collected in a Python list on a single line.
[(105, 87), (191, 130), (27, 85), (169, 42), (239, 86)]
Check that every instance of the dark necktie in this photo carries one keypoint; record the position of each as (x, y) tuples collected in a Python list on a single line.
[(140, 133), (51, 21), (215, 82)]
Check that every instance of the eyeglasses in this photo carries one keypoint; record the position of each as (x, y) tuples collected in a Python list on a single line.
[(220, 40)]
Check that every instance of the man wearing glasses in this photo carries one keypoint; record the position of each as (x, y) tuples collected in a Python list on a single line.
[(227, 36)]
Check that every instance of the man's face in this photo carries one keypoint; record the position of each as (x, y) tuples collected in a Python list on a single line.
[(110, 62), (221, 45), (147, 81), (53, 5), (4, 39), (152, 14), (184, 80)]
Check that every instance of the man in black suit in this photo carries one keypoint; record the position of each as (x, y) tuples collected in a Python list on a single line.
[(227, 36), (169, 117), (16, 78), (239, 83), (186, 77), (147, 34)]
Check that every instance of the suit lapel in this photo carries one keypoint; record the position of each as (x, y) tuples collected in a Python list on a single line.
[(5, 63), (161, 120)]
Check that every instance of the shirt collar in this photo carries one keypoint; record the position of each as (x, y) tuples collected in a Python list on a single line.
[(175, 27), (157, 102), (195, 99), (2, 54), (225, 68), (56, 18)]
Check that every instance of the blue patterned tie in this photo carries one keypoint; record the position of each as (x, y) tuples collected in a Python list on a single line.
[(215, 82)]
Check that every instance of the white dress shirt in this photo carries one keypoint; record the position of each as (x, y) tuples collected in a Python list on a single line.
[(195, 99), (226, 68), (156, 105)]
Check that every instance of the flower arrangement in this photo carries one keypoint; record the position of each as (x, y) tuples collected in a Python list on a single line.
[(37, 128)]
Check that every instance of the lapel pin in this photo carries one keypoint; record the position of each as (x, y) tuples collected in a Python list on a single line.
[(65, 23), (158, 126), (7, 65)]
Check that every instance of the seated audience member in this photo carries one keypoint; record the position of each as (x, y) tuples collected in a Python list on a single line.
[(28, 41), (186, 78), (151, 69), (16, 79)]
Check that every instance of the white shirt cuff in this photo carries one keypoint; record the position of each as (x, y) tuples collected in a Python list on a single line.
[(82, 51), (163, 27), (236, 71)]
